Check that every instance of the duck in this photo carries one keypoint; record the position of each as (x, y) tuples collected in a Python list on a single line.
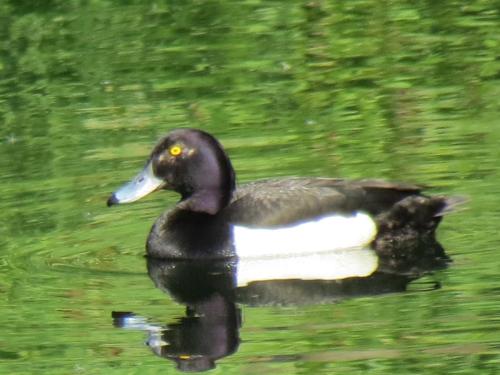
[(279, 217)]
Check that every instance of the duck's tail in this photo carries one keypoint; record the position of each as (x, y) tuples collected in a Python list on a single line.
[(406, 239), (419, 212), (451, 204)]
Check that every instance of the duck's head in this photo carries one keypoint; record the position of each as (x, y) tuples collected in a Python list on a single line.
[(190, 162)]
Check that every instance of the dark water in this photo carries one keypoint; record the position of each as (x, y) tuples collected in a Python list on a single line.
[(398, 90)]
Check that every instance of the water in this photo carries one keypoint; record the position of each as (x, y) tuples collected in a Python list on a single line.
[(363, 89)]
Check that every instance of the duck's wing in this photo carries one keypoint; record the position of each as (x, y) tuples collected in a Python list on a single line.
[(282, 202)]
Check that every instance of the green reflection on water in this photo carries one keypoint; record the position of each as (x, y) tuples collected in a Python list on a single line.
[(404, 91)]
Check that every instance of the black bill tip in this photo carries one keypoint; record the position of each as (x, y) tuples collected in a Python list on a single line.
[(112, 200)]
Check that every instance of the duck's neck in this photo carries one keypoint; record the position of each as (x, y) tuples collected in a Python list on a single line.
[(206, 201), (213, 188)]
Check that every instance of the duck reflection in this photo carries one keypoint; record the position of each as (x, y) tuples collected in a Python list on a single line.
[(214, 290), (210, 328)]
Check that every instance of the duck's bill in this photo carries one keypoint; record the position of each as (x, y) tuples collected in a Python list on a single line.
[(142, 184)]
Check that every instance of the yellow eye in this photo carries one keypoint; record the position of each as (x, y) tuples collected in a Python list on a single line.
[(175, 150)]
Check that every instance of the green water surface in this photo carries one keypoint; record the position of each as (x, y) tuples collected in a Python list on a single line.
[(401, 90)]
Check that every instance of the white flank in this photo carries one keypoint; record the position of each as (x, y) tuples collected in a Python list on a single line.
[(327, 234)]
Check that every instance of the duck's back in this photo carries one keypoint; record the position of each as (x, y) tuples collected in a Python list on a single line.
[(282, 202)]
